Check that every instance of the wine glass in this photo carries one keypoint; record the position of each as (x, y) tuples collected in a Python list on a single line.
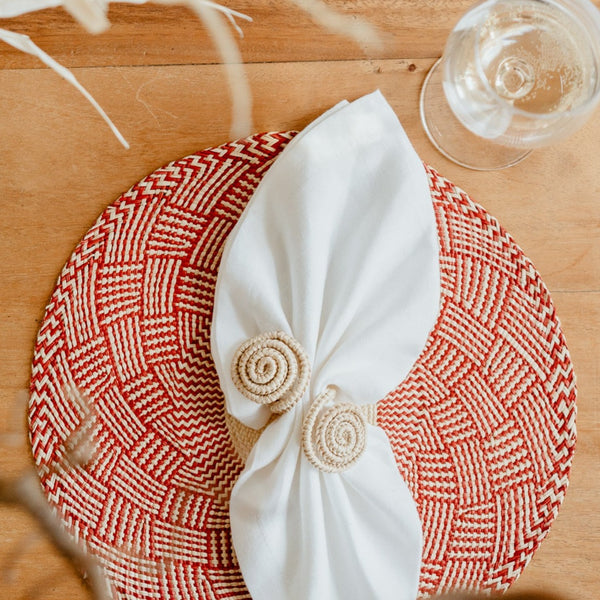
[(515, 75)]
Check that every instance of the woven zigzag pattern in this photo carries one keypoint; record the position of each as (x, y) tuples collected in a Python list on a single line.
[(129, 325), (483, 427)]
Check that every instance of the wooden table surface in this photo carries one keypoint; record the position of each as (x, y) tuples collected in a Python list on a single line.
[(157, 75)]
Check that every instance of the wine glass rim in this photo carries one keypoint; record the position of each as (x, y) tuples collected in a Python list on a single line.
[(593, 13)]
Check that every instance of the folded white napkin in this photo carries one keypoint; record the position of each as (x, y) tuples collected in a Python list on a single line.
[(337, 249)]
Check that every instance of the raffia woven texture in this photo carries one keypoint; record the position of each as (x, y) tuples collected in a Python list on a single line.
[(483, 427), (271, 369)]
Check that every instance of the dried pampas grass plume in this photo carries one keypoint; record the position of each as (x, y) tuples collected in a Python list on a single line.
[(92, 14), (362, 32), (25, 491)]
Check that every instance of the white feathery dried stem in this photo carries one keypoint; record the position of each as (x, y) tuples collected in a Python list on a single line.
[(13, 8), (90, 13), (231, 14), (241, 122), (80, 445), (24, 43), (27, 492), (356, 29)]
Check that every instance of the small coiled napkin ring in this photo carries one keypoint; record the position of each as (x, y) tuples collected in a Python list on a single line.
[(335, 439), (272, 369)]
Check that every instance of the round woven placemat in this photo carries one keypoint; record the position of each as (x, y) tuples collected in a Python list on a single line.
[(127, 417)]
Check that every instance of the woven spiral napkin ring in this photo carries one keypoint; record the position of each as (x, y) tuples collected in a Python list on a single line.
[(272, 369), (335, 439)]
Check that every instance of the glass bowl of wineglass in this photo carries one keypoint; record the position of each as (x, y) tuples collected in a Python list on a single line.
[(515, 75)]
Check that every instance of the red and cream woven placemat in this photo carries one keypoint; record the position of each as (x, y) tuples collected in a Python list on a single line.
[(483, 428)]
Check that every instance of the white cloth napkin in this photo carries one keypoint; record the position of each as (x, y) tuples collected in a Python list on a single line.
[(338, 249)]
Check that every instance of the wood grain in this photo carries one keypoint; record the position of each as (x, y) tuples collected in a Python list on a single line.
[(61, 167), (279, 32)]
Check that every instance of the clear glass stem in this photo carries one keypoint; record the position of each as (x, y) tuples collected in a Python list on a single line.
[(452, 138)]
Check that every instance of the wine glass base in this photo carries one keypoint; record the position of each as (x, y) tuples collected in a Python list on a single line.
[(452, 138)]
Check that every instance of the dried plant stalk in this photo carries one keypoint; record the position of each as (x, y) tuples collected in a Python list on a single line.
[(241, 124), (92, 14), (27, 493), (358, 30), (25, 44)]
